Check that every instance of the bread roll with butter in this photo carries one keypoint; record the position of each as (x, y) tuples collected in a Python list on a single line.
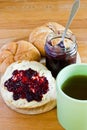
[(14, 51), (28, 88)]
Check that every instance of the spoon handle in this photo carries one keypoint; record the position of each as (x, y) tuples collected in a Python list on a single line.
[(72, 14)]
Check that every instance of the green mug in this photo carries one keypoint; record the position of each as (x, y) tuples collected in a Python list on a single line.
[(71, 112)]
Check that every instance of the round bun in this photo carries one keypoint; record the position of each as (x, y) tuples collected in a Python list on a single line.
[(48, 100), (38, 36), (14, 51)]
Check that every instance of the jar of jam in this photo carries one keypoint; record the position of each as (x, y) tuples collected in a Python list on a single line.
[(60, 54)]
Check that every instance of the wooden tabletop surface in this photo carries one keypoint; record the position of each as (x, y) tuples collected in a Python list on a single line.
[(17, 19)]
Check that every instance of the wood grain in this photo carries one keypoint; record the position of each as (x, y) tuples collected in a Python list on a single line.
[(17, 19)]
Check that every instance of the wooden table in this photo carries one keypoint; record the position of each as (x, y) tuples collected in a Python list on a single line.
[(17, 19)]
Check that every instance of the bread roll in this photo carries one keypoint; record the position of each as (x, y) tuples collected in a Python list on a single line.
[(23, 105), (38, 36), (14, 51)]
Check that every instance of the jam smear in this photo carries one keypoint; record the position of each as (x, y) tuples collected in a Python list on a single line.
[(27, 84)]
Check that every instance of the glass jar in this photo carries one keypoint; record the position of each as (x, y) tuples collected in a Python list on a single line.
[(59, 54)]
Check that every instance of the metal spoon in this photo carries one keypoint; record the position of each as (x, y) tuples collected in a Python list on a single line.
[(72, 14)]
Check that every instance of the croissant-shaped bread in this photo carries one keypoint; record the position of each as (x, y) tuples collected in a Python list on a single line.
[(14, 51)]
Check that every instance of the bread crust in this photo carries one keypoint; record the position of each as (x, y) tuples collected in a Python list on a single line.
[(38, 36), (14, 51)]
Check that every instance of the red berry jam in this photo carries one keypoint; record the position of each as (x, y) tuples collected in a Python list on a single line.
[(27, 84)]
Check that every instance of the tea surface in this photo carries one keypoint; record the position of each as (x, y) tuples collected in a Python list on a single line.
[(76, 87)]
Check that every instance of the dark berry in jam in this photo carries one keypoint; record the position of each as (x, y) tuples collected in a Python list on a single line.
[(61, 45), (27, 84)]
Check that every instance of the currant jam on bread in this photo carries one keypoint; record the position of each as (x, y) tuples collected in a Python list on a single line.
[(28, 87), (27, 84)]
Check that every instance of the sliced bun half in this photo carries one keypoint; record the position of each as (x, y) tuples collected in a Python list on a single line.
[(22, 105)]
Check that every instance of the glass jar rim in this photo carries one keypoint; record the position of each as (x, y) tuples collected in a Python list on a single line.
[(69, 35)]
